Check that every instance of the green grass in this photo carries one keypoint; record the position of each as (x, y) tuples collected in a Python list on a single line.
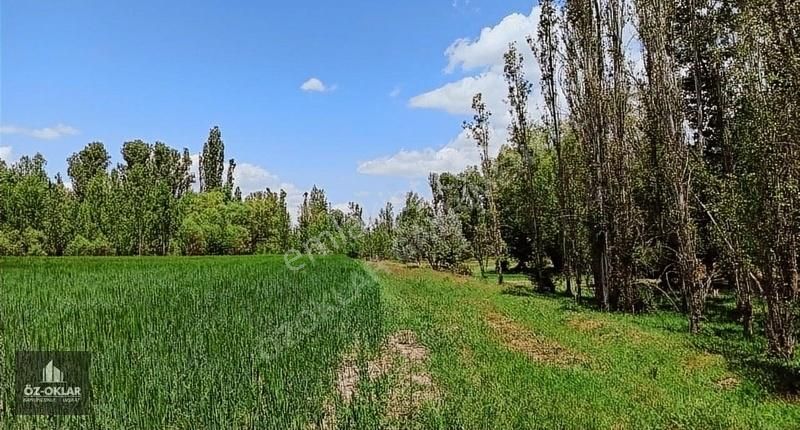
[(637, 371), (189, 342), (243, 342)]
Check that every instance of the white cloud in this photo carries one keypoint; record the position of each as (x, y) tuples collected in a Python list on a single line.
[(459, 153), (395, 92), (456, 97), (250, 178), (462, 5), (483, 56), (5, 153), (488, 48), (46, 133), (316, 85)]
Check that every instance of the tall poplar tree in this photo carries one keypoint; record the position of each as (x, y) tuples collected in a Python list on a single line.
[(479, 130), (212, 161)]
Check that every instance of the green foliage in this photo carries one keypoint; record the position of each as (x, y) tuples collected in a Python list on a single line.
[(81, 246), (26, 193), (351, 229), (377, 241), (83, 166), (446, 244), (268, 222), (33, 242), (212, 161), (411, 243), (314, 220), (210, 226), (143, 206), (192, 238), (521, 193), (425, 234), (9, 243), (59, 215), (236, 239), (465, 194)]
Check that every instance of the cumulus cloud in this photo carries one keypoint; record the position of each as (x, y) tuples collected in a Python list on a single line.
[(5, 153), (316, 85), (482, 59), (46, 133), (251, 177), (459, 153), (456, 97), (488, 48)]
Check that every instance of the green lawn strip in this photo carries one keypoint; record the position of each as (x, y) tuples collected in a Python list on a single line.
[(638, 372)]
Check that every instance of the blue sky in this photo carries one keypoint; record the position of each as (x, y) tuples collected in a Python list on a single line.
[(387, 84)]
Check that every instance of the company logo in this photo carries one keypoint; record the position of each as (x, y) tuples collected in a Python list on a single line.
[(52, 383), (52, 374)]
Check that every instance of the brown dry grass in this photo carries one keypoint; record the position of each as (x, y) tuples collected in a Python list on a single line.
[(727, 383), (702, 361), (403, 360), (410, 270), (585, 324), (523, 340)]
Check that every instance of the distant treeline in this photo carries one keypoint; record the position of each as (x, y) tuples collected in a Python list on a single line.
[(146, 206)]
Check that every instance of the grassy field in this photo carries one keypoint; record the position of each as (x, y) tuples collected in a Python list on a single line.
[(189, 342), (504, 359), (243, 342)]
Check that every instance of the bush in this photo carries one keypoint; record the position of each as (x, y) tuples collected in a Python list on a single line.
[(33, 243), (192, 238), (102, 246), (236, 239), (462, 269), (81, 246), (9, 244)]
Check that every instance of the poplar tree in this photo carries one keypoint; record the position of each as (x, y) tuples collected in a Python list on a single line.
[(212, 161), (479, 130)]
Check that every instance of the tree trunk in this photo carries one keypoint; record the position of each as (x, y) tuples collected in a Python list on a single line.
[(499, 268)]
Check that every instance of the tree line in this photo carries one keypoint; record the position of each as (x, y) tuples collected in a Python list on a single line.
[(641, 184), (655, 182), (649, 184)]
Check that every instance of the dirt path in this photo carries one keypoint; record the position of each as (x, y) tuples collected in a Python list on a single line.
[(403, 360)]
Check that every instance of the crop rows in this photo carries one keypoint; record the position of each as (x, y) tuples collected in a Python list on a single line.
[(189, 343)]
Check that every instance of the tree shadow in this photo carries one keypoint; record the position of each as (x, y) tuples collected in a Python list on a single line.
[(519, 290), (532, 286), (721, 309), (746, 357), (723, 335)]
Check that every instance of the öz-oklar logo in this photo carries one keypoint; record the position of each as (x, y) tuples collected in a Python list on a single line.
[(52, 382)]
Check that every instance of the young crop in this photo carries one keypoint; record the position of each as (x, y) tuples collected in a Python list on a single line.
[(220, 342)]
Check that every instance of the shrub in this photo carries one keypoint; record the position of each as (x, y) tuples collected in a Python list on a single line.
[(9, 244)]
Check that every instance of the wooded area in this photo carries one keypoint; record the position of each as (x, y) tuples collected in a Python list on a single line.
[(647, 183)]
